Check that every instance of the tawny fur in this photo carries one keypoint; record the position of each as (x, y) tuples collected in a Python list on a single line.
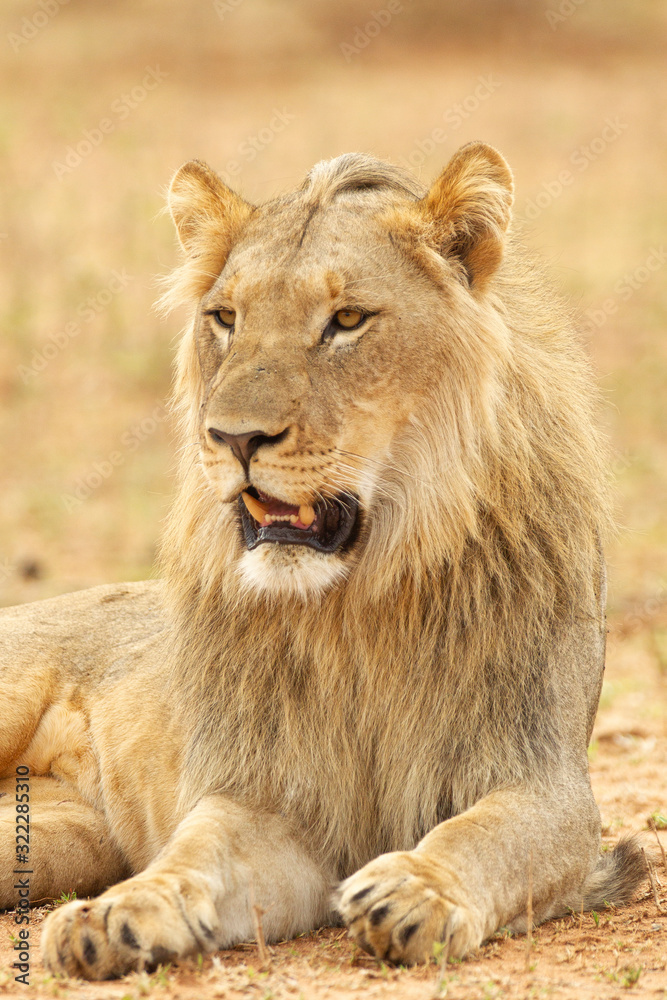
[(410, 714)]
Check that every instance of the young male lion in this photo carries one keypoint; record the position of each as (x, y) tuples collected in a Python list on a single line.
[(377, 650)]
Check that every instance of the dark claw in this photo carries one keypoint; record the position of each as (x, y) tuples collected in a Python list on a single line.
[(128, 938), (89, 951), (362, 892), (378, 914), (206, 931), (406, 933)]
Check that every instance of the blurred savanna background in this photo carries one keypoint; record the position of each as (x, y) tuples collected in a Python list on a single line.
[(102, 101)]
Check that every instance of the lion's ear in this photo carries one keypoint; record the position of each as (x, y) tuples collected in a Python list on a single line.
[(208, 217), (470, 206)]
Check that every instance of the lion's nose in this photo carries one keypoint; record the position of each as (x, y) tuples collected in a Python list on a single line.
[(244, 446)]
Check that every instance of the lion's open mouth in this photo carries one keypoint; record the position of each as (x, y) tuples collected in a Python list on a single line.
[(328, 526)]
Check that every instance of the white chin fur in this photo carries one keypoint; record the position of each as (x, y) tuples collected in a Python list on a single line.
[(290, 571)]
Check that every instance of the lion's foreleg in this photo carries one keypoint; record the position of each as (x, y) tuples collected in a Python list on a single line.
[(473, 874), (197, 896)]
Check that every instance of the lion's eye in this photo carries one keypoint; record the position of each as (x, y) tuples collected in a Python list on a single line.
[(343, 322), (224, 317), (348, 319)]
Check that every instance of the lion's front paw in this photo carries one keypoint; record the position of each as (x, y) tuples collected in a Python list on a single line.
[(399, 905), (138, 924)]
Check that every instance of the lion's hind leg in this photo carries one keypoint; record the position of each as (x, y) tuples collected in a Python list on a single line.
[(69, 847)]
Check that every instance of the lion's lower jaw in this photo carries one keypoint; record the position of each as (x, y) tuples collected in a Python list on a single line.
[(290, 571)]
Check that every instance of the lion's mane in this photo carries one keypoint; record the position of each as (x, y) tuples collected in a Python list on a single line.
[(425, 675)]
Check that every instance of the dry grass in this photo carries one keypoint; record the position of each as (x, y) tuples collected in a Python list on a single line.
[(91, 418)]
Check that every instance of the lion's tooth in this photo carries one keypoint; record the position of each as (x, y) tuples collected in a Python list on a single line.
[(293, 518), (254, 507), (306, 514)]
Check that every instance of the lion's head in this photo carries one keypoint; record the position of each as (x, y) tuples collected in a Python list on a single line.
[(368, 384)]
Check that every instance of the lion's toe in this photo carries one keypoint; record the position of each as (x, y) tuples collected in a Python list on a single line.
[(398, 910), (133, 926), (75, 942)]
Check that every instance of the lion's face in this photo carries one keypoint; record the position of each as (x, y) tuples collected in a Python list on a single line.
[(313, 365), (322, 349)]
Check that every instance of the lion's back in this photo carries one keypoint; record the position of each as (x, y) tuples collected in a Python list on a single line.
[(84, 624)]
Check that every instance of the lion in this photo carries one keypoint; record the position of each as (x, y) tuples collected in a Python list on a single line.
[(364, 685)]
